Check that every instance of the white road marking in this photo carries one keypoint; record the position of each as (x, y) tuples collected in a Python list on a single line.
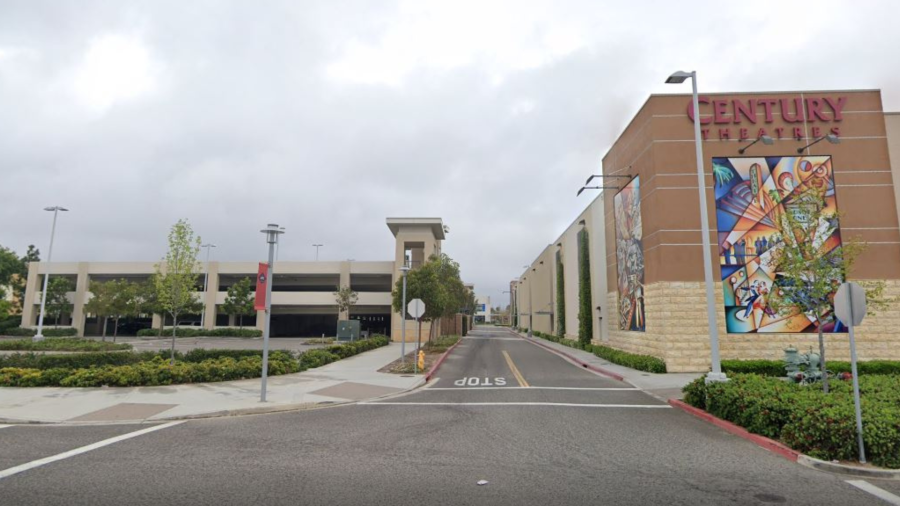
[(538, 388), (877, 492), (4, 426), (84, 449), (561, 404)]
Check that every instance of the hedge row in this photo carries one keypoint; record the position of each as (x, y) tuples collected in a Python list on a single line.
[(10, 322), (29, 332), (806, 419), (152, 368), (775, 368), (647, 363), (62, 344), (195, 332)]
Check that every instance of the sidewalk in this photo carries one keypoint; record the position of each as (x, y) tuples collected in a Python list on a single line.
[(663, 386), (348, 380)]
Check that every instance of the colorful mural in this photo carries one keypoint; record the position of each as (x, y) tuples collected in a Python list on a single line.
[(752, 193), (630, 256)]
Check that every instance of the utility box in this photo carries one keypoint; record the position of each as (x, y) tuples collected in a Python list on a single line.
[(348, 330)]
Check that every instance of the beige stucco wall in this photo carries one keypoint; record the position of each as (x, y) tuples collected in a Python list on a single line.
[(892, 129)]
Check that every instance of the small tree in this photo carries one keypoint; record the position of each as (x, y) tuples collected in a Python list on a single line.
[(176, 278), (125, 302), (585, 311), (809, 272), (57, 297), (239, 301), (147, 300), (560, 297), (99, 305), (345, 298), (438, 284)]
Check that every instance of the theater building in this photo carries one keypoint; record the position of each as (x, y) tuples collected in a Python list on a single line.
[(641, 239), (303, 301)]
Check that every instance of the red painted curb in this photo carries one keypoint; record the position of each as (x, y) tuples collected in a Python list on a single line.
[(576, 360), (761, 441), (440, 361)]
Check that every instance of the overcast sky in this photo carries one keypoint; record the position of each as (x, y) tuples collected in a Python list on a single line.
[(327, 117)]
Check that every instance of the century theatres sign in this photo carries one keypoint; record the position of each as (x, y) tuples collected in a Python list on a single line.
[(756, 116)]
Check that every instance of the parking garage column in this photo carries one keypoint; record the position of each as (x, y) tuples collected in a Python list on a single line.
[(345, 281), (210, 296), (29, 315), (78, 301)]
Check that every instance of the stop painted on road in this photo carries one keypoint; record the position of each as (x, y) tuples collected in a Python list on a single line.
[(480, 382)]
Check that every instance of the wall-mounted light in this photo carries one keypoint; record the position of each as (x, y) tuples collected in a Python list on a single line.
[(831, 138), (768, 141)]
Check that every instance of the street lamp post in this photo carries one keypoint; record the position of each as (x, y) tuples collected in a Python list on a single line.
[(404, 270), (317, 246), (509, 313), (272, 232), (716, 374), (205, 284), (39, 335)]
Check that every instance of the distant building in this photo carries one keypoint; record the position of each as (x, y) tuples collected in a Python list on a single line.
[(483, 309)]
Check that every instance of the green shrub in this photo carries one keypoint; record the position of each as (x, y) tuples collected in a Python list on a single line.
[(647, 363), (195, 332), (775, 368), (62, 344), (9, 323), (806, 419), (42, 361), (48, 332), (442, 344)]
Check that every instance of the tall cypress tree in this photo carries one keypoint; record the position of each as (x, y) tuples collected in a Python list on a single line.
[(585, 313), (560, 297)]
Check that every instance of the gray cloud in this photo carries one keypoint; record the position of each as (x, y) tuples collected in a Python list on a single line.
[(327, 117)]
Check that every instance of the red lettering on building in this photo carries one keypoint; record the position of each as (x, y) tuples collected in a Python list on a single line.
[(762, 131), (798, 133), (836, 131), (720, 107), (724, 133), (768, 104), (747, 110), (837, 107), (797, 117), (705, 133), (743, 134), (779, 131), (814, 110), (700, 100), (816, 132)]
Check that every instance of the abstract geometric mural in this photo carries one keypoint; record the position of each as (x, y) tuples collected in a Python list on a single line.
[(630, 256), (751, 195)]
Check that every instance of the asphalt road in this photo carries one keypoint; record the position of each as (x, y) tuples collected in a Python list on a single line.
[(538, 429)]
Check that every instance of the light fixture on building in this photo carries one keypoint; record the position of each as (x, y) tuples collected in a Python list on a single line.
[(586, 187), (768, 141), (833, 139)]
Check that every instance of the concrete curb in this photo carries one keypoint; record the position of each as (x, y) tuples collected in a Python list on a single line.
[(837, 468), (761, 441), (440, 360), (594, 368)]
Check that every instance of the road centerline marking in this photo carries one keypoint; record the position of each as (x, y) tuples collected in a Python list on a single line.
[(84, 449), (515, 370), (877, 492)]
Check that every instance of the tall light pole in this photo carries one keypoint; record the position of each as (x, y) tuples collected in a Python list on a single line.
[(509, 313), (205, 283), (317, 246), (39, 335), (404, 270), (272, 232), (716, 374)]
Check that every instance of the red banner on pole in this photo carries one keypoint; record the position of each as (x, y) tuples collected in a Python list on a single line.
[(262, 279)]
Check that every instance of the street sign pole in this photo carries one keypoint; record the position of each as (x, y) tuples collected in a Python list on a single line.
[(416, 308), (859, 428), (850, 308)]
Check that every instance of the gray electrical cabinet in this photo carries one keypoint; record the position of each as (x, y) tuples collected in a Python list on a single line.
[(348, 330)]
